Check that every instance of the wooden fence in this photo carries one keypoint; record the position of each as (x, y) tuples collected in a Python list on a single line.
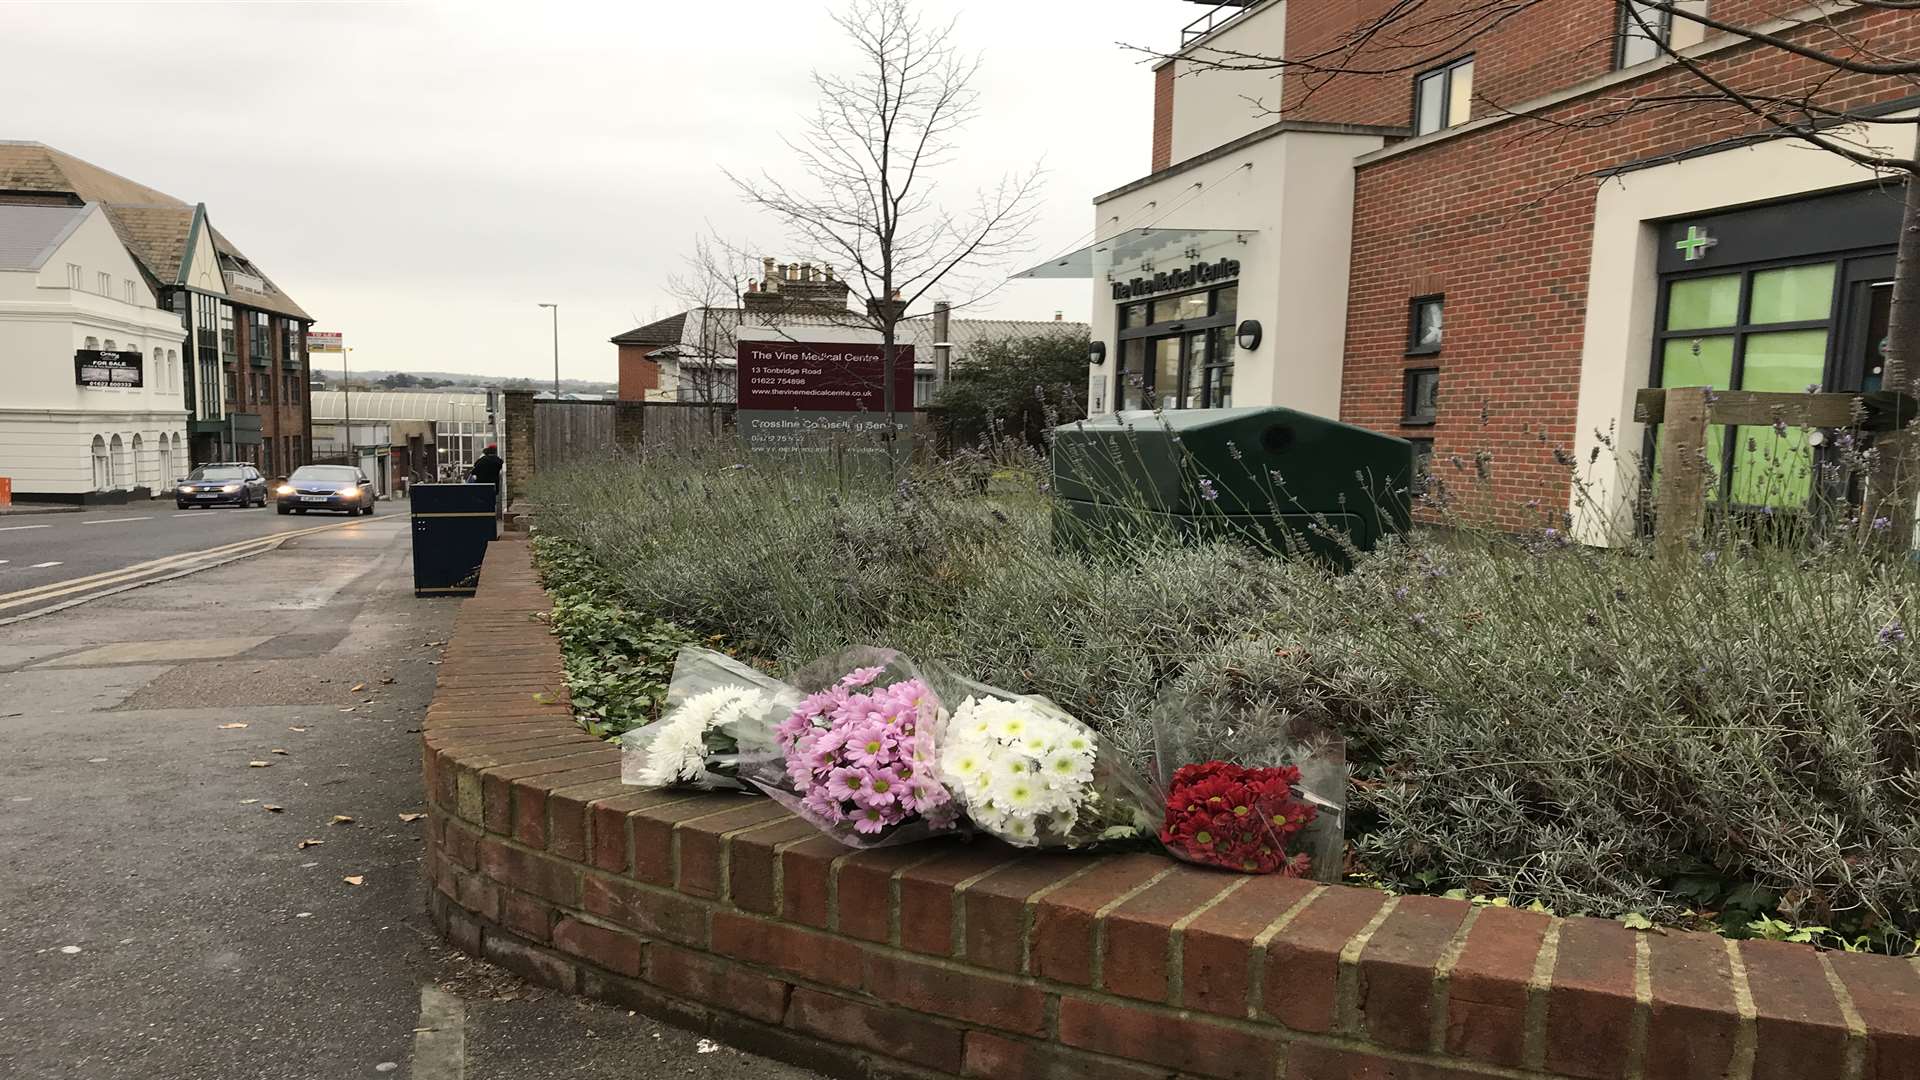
[(571, 432)]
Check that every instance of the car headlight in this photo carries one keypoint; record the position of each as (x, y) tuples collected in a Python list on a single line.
[(185, 490), (231, 488), (283, 489), (350, 493)]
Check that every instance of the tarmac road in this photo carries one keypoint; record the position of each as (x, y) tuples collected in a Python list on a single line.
[(47, 559), (159, 922)]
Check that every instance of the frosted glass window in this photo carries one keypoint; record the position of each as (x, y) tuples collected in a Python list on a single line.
[(1792, 294), (1699, 303)]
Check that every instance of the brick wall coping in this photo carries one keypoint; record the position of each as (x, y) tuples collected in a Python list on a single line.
[(724, 914)]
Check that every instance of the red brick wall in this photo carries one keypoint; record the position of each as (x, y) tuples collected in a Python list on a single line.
[(722, 913), (638, 374), (1500, 221), (1163, 116)]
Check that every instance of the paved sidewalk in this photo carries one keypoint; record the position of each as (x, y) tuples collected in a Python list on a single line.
[(158, 921)]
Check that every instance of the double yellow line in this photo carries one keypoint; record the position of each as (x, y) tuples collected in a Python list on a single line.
[(109, 578)]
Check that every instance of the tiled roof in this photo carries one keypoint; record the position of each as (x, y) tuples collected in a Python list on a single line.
[(665, 332), (152, 224), (29, 235)]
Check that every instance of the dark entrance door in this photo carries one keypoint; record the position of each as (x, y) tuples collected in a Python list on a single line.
[(1869, 299)]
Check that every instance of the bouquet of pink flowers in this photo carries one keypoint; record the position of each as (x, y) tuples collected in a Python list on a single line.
[(857, 753)]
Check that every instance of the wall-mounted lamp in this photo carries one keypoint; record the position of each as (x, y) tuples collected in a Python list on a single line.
[(1249, 335), (1097, 353)]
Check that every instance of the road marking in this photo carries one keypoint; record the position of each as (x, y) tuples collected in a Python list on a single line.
[(116, 521), (17, 528), (44, 565), (265, 542)]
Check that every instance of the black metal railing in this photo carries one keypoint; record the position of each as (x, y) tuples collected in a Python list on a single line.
[(1219, 16)]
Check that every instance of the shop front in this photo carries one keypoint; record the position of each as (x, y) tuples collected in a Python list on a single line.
[(1791, 297)]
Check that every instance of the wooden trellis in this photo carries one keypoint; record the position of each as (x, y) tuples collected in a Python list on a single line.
[(1684, 413)]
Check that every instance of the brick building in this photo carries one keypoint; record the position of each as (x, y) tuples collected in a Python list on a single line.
[(244, 365), (1490, 250)]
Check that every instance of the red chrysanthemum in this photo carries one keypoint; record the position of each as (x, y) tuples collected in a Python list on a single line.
[(1243, 819)]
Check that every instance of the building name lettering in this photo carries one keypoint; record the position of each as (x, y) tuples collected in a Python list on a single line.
[(1171, 280)]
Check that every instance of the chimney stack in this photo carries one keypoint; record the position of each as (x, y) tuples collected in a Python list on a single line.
[(942, 346)]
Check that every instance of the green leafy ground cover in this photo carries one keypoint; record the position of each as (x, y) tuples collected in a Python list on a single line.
[(1730, 740)]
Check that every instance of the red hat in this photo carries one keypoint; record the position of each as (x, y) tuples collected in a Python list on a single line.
[(493, 446)]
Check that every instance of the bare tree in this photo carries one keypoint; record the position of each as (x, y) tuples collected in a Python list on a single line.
[(708, 290), (1816, 98), (871, 151)]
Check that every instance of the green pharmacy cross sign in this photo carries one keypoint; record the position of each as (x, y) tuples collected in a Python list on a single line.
[(1696, 243)]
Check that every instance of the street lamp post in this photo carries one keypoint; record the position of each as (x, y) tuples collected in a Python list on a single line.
[(556, 349)]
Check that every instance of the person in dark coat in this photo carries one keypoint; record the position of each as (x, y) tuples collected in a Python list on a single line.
[(487, 469)]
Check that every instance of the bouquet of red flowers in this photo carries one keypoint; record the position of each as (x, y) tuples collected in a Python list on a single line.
[(1237, 817)]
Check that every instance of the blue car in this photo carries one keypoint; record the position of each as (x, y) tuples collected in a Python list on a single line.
[(325, 487)]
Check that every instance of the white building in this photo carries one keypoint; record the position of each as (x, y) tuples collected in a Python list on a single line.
[(91, 406)]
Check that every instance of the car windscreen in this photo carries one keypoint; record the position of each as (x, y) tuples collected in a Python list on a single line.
[(217, 474), (329, 473)]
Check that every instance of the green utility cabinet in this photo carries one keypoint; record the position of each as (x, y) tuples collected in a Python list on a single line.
[(1271, 476)]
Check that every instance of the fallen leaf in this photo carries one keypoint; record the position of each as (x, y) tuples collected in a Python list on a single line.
[(230, 727), (303, 915), (296, 729), (259, 764), (356, 879), (305, 844), (342, 819), (282, 753), (411, 817), (257, 671), (272, 809), (705, 1046), (357, 687), (248, 802), (386, 680), (347, 709)]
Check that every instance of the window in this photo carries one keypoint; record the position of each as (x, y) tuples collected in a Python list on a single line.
[(73, 276), (1177, 352), (233, 386), (266, 457), (109, 345), (106, 283), (126, 288), (229, 350), (206, 343), (1422, 465), (93, 343), (259, 337), (157, 370), (293, 353), (295, 456), (1420, 402), (1443, 98), (102, 466), (1426, 324), (1643, 31), (1764, 329), (118, 476)]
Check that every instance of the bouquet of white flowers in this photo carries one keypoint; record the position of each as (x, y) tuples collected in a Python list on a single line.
[(1029, 773), (719, 713)]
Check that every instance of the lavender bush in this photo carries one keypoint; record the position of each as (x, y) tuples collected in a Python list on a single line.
[(1724, 738)]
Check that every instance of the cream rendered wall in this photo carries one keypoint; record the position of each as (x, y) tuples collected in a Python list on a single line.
[(1291, 195), (1212, 107), (47, 423), (203, 263), (1623, 289)]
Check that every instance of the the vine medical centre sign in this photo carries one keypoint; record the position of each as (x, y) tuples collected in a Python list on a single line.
[(796, 395)]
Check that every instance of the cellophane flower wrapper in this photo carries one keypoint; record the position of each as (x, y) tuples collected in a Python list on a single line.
[(1270, 797), (855, 754), (720, 713), (1031, 774)]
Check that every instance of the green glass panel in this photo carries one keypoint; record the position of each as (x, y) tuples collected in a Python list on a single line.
[(1772, 467), (1792, 294), (1701, 361), (1701, 303)]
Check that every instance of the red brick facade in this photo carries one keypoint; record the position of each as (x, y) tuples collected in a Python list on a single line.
[(638, 373), (1500, 221), (1163, 116), (1499, 217), (723, 913), (278, 392)]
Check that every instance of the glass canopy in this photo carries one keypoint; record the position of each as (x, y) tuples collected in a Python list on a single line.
[(1142, 251)]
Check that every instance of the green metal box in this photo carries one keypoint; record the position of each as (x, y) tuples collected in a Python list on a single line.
[(1275, 477)]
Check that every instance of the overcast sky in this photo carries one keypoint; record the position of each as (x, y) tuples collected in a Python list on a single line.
[(420, 175)]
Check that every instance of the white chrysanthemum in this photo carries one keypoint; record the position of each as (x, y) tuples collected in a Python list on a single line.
[(1021, 768), (674, 750), (1066, 767)]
